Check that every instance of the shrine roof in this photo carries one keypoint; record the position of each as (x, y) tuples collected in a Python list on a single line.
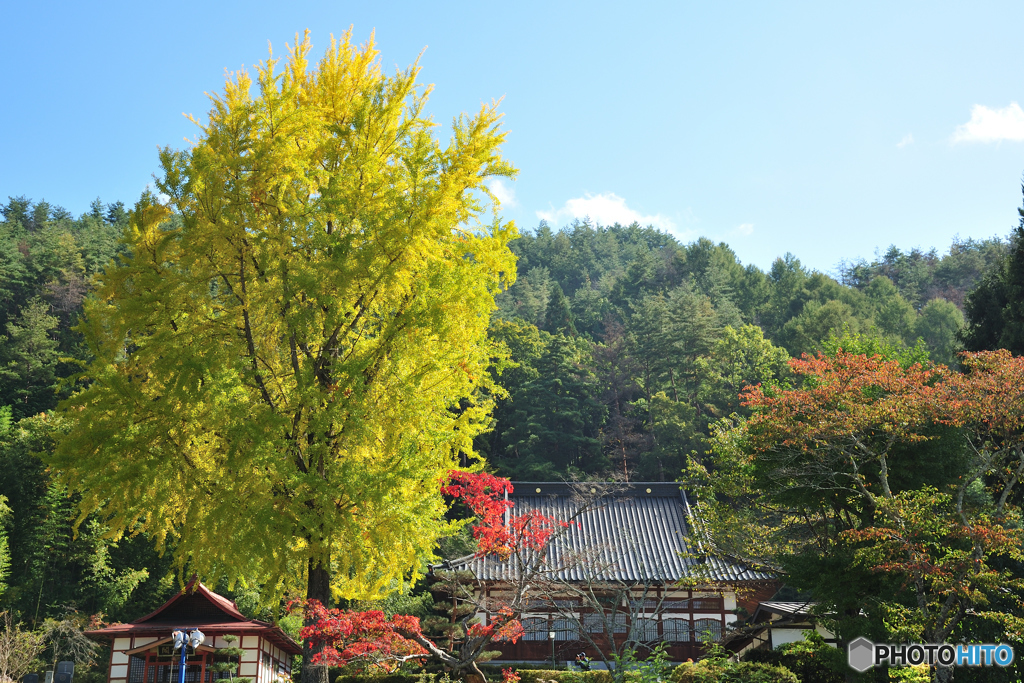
[(198, 607), (195, 603), (636, 532)]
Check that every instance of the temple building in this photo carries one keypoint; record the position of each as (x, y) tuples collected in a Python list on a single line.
[(142, 650), (635, 565)]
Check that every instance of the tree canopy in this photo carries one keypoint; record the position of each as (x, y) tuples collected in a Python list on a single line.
[(885, 486), (290, 356)]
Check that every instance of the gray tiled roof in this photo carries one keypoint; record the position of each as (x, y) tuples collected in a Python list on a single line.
[(643, 532), (794, 608)]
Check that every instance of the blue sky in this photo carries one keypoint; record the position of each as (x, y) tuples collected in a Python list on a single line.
[(828, 130)]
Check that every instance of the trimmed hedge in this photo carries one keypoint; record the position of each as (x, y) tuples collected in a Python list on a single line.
[(719, 671), (387, 678), (562, 676), (706, 671), (492, 668)]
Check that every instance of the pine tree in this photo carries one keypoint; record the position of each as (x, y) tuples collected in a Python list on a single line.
[(994, 310), (226, 660), (28, 361), (558, 317)]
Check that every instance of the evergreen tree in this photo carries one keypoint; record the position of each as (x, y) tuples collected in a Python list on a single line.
[(893, 314), (994, 311), (624, 435), (15, 281), (28, 361), (116, 214), (558, 316), (552, 424), (227, 659), (940, 325), (17, 211)]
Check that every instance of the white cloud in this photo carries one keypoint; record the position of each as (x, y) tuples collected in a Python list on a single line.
[(992, 125), (506, 194), (744, 229), (604, 209), (908, 139)]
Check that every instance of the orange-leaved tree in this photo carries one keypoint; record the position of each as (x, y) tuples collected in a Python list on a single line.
[(901, 471)]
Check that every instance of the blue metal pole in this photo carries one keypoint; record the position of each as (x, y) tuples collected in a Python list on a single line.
[(184, 654)]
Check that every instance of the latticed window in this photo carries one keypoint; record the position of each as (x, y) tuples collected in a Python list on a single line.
[(593, 623), (535, 628), (645, 630), (708, 604), (646, 605), (136, 669), (676, 630), (566, 629), (708, 630)]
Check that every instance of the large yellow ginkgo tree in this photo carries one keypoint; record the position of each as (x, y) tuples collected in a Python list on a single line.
[(291, 355)]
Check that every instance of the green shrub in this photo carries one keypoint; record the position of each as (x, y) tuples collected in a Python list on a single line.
[(911, 674), (562, 676), (386, 678), (812, 659), (493, 667), (724, 671)]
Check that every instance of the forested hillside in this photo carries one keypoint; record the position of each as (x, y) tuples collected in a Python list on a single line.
[(625, 347), (51, 578), (628, 345)]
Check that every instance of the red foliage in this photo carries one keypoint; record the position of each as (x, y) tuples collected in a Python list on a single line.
[(846, 398), (849, 397), (846, 417), (504, 627), (367, 638), (485, 495), (988, 397), (374, 641), (97, 621)]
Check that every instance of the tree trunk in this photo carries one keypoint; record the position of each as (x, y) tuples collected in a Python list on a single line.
[(318, 587)]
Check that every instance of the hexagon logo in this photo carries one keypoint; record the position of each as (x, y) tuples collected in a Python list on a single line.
[(860, 654)]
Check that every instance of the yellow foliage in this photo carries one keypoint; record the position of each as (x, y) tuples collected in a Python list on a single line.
[(293, 353)]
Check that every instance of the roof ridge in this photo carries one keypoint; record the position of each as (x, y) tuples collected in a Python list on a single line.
[(196, 587), (650, 530)]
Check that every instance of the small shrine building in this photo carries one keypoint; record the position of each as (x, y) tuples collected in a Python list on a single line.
[(142, 650)]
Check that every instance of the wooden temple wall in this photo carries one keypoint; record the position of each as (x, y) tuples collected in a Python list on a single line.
[(261, 661), (681, 619)]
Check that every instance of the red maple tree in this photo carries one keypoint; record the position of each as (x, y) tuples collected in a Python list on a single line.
[(497, 531), (371, 640), (839, 429)]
